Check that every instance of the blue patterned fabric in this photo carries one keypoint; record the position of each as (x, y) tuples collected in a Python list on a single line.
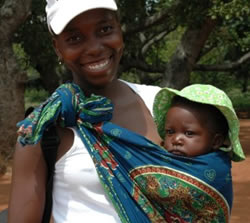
[(144, 182)]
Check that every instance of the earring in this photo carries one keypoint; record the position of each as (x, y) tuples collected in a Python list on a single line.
[(60, 61)]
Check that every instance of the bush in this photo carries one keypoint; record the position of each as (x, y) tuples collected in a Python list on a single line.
[(241, 101), (34, 97)]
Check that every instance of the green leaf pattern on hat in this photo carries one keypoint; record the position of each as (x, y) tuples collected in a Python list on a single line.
[(206, 94)]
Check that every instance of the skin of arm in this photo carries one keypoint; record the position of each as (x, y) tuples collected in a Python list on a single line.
[(29, 173)]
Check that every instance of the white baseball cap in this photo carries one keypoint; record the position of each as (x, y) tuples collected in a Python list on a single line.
[(61, 12)]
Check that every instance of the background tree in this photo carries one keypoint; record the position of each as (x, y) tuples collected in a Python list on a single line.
[(203, 24), (202, 27), (34, 38), (12, 14)]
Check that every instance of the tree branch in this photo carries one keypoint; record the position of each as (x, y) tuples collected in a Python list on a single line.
[(153, 20), (12, 14), (156, 38), (206, 50), (223, 67)]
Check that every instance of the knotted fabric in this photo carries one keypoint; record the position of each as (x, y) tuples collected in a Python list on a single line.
[(144, 182)]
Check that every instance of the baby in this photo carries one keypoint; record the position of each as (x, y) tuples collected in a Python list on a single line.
[(193, 129), (197, 120)]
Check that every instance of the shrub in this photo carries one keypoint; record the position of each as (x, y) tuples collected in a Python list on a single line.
[(241, 101), (33, 96)]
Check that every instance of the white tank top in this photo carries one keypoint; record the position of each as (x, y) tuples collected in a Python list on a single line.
[(78, 195)]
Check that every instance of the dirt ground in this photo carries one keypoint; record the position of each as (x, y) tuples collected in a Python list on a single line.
[(241, 181)]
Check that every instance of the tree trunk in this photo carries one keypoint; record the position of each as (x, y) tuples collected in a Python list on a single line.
[(177, 73), (12, 14)]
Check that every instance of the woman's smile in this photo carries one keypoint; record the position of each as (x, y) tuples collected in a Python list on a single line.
[(101, 65)]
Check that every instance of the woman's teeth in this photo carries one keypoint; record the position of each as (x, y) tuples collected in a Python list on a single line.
[(98, 66)]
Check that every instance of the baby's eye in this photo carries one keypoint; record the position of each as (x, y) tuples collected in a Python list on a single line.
[(189, 133), (169, 131)]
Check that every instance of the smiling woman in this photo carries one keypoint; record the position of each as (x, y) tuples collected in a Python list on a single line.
[(87, 38)]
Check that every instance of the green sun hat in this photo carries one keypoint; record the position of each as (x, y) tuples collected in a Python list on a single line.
[(206, 94)]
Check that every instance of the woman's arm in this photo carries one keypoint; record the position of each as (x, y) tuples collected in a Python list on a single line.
[(29, 173)]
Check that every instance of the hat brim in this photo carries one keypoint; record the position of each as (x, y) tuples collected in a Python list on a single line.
[(68, 10), (163, 102)]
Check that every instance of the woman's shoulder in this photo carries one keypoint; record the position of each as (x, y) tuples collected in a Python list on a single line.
[(146, 92), (138, 88)]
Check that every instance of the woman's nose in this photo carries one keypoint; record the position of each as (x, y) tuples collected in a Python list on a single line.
[(93, 47)]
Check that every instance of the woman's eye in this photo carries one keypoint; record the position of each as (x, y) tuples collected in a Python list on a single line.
[(73, 39), (106, 29)]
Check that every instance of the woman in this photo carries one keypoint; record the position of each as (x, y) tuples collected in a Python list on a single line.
[(87, 38)]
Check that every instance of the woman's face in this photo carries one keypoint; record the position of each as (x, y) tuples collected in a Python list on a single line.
[(91, 46)]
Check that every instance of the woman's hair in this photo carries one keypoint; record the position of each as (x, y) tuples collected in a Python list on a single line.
[(215, 120)]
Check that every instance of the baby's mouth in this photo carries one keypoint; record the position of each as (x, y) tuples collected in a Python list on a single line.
[(178, 153)]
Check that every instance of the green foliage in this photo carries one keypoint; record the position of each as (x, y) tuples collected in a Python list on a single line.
[(230, 10), (234, 16), (163, 50), (241, 101), (22, 57), (23, 61), (214, 78), (130, 77), (35, 40), (34, 32), (1, 3), (33, 96)]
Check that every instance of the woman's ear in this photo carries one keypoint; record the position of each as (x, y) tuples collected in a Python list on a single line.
[(57, 51), (218, 141)]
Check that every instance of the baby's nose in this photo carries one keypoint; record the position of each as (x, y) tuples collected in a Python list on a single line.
[(177, 139)]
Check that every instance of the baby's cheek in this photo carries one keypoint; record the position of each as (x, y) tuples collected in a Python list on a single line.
[(162, 143), (166, 143)]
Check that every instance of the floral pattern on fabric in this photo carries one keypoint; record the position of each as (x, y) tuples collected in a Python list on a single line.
[(181, 198)]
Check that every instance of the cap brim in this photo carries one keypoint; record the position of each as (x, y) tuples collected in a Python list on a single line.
[(161, 106), (68, 10)]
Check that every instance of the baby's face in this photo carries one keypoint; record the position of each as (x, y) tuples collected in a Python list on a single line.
[(186, 132)]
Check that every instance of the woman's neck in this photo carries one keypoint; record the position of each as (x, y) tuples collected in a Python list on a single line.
[(111, 90)]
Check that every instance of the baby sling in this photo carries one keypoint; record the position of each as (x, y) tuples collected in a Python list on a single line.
[(142, 179)]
